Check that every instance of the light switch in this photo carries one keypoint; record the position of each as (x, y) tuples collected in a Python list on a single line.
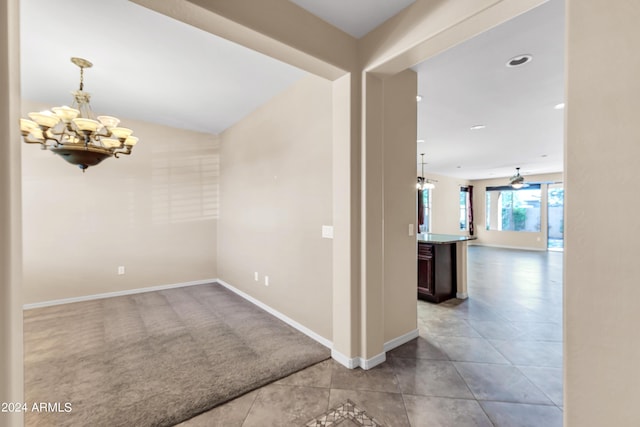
[(410, 229), (327, 231)]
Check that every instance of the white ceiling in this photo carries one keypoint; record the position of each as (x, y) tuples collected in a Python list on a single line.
[(150, 67), (470, 85), (145, 65), (355, 17)]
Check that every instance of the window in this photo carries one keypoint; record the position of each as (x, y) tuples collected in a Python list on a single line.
[(464, 207), (513, 210), (425, 227)]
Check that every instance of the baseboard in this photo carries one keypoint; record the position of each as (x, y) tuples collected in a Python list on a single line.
[(462, 295), (510, 247), (402, 339), (374, 361), (358, 362), (308, 332), (347, 362), (115, 294)]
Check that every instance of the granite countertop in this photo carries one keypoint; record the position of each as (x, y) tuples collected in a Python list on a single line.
[(442, 238)]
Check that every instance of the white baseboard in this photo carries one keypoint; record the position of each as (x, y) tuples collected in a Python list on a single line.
[(374, 361), (308, 332), (115, 294), (462, 295), (402, 339), (520, 248), (358, 362), (347, 362)]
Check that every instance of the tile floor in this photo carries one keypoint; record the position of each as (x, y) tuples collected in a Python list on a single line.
[(492, 360)]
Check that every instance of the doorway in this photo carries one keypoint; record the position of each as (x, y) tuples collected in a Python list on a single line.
[(555, 214)]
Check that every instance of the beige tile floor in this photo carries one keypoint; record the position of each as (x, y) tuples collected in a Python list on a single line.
[(492, 360)]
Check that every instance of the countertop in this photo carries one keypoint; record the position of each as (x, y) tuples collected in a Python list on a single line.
[(442, 238)]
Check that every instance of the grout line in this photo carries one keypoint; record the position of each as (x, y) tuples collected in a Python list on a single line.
[(486, 414), (251, 407)]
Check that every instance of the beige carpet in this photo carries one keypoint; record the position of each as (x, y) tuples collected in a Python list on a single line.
[(154, 359)]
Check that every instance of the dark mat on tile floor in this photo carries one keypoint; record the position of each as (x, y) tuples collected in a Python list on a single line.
[(154, 359)]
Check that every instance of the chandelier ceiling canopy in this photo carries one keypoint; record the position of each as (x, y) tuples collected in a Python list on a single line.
[(74, 133)]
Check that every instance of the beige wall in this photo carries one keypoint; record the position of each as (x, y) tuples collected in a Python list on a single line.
[(372, 219), (511, 239), (346, 214), (445, 204), (154, 212), (11, 365), (602, 374), (275, 195), (400, 261)]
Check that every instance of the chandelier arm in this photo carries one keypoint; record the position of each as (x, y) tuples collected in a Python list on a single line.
[(117, 153)]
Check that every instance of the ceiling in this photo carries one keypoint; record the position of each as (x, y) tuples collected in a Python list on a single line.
[(214, 83), (355, 17), (470, 85), (146, 66)]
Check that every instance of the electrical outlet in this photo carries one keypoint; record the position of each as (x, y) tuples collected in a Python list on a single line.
[(266, 280), (120, 270), (255, 276)]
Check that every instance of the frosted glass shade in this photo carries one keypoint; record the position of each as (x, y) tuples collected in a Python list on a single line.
[(109, 121), (131, 141), (121, 133), (27, 125), (66, 113), (110, 142), (87, 124), (45, 119), (37, 133)]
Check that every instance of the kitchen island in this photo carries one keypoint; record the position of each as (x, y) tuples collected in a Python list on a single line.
[(442, 266)]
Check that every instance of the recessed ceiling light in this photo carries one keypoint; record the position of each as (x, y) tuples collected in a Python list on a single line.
[(559, 106), (418, 98), (477, 127), (544, 155), (519, 60), (420, 140), (459, 167)]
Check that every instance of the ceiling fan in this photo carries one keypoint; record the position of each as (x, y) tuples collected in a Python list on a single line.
[(517, 180)]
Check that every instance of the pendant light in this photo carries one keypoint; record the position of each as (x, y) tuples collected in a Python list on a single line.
[(424, 183)]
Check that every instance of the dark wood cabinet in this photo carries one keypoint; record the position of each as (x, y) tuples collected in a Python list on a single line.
[(425, 270), (436, 271)]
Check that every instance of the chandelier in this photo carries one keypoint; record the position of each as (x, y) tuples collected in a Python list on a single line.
[(424, 183), (74, 133)]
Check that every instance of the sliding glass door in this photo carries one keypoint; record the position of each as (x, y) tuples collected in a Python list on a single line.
[(555, 231)]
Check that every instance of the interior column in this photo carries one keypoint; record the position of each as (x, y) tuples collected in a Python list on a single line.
[(372, 263), (346, 218), (400, 207), (11, 365)]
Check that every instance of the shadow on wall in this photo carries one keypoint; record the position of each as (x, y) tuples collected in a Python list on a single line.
[(185, 187)]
